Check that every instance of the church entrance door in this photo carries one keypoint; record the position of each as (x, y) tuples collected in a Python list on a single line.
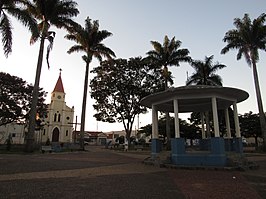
[(55, 137)]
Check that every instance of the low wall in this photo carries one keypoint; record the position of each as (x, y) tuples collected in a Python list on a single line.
[(214, 157)]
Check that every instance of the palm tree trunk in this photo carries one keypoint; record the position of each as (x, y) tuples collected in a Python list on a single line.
[(29, 147), (167, 115), (207, 118), (168, 131), (84, 103), (260, 106)]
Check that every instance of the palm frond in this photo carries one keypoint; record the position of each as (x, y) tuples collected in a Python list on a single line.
[(167, 54), (6, 33), (23, 16), (248, 37), (89, 40), (157, 46), (76, 48), (50, 38), (205, 72)]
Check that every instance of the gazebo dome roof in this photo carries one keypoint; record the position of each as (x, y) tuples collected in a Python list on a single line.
[(195, 98)]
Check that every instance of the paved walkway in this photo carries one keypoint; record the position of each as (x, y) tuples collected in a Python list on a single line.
[(101, 173)]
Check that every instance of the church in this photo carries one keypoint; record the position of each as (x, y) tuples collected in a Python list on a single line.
[(58, 123)]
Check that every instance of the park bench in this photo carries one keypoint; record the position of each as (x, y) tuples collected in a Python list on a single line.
[(46, 149)]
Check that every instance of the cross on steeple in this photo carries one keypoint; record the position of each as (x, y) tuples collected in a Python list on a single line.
[(60, 70)]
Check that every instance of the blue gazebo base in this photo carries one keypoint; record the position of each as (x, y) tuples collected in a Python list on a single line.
[(198, 160), (233, 145), (215, 157), (156, 147), (238, 145)]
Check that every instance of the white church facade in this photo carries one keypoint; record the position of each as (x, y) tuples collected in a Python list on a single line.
[(58, 123)]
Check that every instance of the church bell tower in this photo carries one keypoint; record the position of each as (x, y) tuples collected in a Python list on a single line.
[(58, 124)]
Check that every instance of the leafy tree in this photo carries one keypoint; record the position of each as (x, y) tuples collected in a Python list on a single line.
[(250, 125), (15, 99), (188, 131), (195, 119), (147, 130), (249, 37), (89, 41), (118, 87), (164, 55), (17, 9), (48, 13), (205, 72)]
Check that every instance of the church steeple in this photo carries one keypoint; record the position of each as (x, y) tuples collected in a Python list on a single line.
[(58, 93), (59, 118), (59, 84)]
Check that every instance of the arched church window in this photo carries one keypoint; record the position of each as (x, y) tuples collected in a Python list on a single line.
[(55, 116), (66, 132), (59, 117)]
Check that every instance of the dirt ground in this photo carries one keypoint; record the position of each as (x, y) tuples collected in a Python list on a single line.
[(103, 173), (257, 178)]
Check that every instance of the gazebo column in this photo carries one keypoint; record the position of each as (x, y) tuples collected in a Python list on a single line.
[(177, 129), (155, 142), (238, 138), (177, 143), (228, 140), (227, 122), (215, 118), (237, 128), (217, 142), (155, 134)]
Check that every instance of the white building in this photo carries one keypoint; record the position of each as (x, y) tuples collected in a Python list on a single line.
[(14, 129), (58, 123)]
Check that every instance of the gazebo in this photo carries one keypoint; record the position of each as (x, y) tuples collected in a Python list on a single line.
[(201, 99)]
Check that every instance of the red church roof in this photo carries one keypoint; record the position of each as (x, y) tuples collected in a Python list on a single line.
[(59, 85)]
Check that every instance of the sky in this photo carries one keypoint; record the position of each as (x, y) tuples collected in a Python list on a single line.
[(199, 25)]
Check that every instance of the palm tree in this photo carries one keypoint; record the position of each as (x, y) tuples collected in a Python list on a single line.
[(249, 37), (89, 41), (205, 72), (205, 75), (166, 55), (49, 13), (17, 9)]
